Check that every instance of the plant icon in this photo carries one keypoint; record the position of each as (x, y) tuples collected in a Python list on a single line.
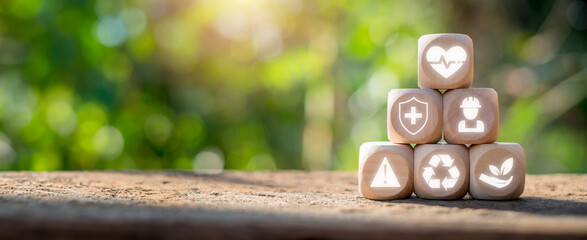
[(506, 167)]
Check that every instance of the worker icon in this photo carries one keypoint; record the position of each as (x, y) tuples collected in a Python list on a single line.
[(471, 108)]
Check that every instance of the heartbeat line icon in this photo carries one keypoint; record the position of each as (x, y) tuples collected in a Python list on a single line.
[(446, 63)]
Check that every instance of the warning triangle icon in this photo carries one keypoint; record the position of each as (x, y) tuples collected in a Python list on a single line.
[(385, 176)]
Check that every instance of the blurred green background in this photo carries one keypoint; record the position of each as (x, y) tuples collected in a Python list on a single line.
[(276, 84)]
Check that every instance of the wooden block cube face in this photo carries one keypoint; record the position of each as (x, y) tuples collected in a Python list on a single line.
[(498, 171), (414, 116), (445, 61), (386, 170), (441, 171), (471, 116)]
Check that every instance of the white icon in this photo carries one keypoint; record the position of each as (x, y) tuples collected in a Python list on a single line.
[(471, 108), (506, 167), (447, 182), (413, 115), (417, 116), (446, 63), (385, 176)]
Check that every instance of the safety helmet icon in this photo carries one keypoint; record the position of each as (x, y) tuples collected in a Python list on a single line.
[(470, 102)]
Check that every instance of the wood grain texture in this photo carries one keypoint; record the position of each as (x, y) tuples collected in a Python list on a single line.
[(272, 205), (427, 128), (428, 77), (484, 156), (423, 158), (401, 161), (454, 116)]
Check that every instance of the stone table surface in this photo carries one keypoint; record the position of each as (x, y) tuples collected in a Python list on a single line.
[(269, 205)]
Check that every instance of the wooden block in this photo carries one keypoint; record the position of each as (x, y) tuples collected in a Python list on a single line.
[(445, 61), (386, 170), (471, 116), (498, 171), (441, 171), (414, 116)]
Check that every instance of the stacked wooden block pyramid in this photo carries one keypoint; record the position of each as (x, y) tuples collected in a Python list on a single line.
[(467, 116)]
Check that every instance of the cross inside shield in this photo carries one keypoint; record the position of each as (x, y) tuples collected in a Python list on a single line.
[(413, 115)]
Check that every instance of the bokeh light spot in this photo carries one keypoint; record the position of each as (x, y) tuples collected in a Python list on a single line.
[(61, 118), (7, 154), (110, 31), (233, 24), (210, 160), (267, 41), (108, 142), (135, 20), (158, 128)]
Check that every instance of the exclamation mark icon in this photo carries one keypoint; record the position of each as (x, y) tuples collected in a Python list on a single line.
[(385, 176)]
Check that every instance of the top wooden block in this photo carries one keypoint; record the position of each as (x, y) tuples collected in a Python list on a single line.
[(445, 61)]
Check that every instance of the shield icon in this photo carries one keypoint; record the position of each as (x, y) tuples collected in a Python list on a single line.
[(413, 115)]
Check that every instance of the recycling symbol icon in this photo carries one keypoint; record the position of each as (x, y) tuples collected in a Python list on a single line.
[(447, 162)]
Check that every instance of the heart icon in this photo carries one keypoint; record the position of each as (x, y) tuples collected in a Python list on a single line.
[(446, 63)]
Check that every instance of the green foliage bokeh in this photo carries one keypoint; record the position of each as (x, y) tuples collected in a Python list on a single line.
[(290, 84)]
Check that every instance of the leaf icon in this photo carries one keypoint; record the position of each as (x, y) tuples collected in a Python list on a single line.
[(494, 170), (506, 167)]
